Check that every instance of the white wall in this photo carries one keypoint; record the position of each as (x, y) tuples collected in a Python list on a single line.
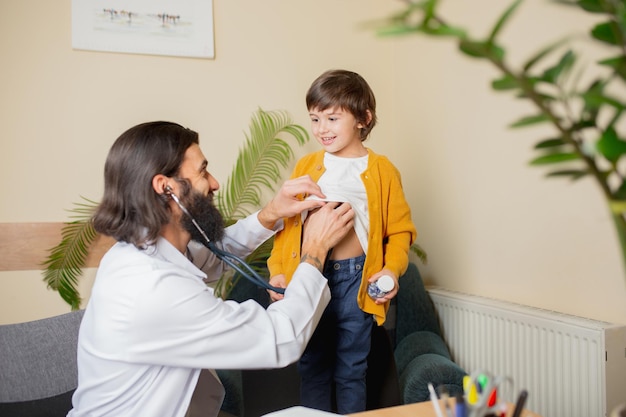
[(491, 225)]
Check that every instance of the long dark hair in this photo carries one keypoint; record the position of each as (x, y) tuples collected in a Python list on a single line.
[(130, 210)]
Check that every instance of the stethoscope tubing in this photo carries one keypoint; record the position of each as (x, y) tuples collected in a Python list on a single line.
[(230, 259), (239, 265)]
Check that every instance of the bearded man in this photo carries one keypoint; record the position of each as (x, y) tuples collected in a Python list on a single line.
[(152, 327)]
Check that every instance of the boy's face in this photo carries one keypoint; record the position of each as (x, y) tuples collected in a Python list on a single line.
[(338, 132)]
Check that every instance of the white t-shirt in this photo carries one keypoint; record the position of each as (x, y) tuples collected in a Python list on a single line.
[(152, 325), (342, 182)]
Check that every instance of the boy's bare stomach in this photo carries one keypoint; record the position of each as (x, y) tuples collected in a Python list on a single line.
[(348, 247)]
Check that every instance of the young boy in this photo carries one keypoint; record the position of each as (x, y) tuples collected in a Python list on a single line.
[(342, 108)]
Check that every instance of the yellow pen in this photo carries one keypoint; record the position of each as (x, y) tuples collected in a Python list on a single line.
[(472, 397), (467, 382)]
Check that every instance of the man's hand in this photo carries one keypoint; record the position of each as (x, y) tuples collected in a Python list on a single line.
[(289, 200), (277, 281), (323, 229)]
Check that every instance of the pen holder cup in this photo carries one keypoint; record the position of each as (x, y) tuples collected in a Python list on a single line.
[(484, 394)]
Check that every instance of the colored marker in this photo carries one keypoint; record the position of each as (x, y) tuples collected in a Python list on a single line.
[(472, 397), (482, 381), (435, 400), (493, 397), (460, 409), (467, 382), (445, 397), (519, 406)]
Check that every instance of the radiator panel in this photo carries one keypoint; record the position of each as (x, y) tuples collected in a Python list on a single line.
[(571, 366)]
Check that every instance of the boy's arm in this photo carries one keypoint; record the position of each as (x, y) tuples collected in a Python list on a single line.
[(401, 232)]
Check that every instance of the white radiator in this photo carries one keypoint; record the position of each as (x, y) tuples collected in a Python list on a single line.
[(571, 366)]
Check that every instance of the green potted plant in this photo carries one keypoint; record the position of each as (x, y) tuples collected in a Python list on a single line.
[(589, 137)]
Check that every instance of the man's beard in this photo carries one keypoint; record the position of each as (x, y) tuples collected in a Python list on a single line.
[(206, 215)]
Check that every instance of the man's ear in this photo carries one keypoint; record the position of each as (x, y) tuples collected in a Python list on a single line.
[(160, 183)]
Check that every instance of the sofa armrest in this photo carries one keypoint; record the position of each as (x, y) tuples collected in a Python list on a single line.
[(415, 310)]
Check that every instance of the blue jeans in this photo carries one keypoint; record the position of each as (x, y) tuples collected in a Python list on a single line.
[(337, 352)]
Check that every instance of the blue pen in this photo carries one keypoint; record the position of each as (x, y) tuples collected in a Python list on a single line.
[(460, 410)]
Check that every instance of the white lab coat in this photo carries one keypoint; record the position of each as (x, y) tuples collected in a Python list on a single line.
[(152, 325)]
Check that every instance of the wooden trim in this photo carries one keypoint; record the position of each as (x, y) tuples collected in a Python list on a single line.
[(25, 246)]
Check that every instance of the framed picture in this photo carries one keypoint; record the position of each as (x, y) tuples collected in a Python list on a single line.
[(181, 28)]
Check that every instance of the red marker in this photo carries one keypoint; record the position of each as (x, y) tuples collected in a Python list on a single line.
[(492, 398)]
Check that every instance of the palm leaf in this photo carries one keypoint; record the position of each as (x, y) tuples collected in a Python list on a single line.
[(420, 252), (64, 265), (260, 163), (259, 167)]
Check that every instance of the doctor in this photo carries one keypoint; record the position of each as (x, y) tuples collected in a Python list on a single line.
[(152, 326)]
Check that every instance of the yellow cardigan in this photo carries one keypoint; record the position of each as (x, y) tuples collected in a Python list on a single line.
[(391, 230)]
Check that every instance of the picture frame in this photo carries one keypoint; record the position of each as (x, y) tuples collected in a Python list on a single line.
[(182, 28)]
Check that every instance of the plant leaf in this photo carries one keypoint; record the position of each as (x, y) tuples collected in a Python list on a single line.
[(610, 145), (500, 23), (550, 143), (617, 206), (476, 49), (65, 261), (542, 54), (259, 163), (420, 252), (594, 99), (555, 158), (507, 82), (530, 120), (551, 75), (396, 30), (593, 6), (618, 64), (575, 174), (445, 30), (607, 33)]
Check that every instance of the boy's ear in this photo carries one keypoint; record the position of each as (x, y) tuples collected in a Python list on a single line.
[(366, 122), (369, 118)]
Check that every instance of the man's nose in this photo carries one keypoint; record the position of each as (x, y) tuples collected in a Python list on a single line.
[(213, 184)]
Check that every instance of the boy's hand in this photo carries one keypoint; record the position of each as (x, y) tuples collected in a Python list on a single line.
[(391, 293)]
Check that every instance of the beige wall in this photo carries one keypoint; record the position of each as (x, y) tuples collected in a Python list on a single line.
[(491, 225)]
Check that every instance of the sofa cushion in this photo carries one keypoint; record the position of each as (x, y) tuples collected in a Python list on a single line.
[(55, 406), (233, 392), (433, 368), (38, 358), (416, 344), (415, 310)]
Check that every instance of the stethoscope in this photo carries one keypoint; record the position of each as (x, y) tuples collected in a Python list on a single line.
[(230, 259)]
